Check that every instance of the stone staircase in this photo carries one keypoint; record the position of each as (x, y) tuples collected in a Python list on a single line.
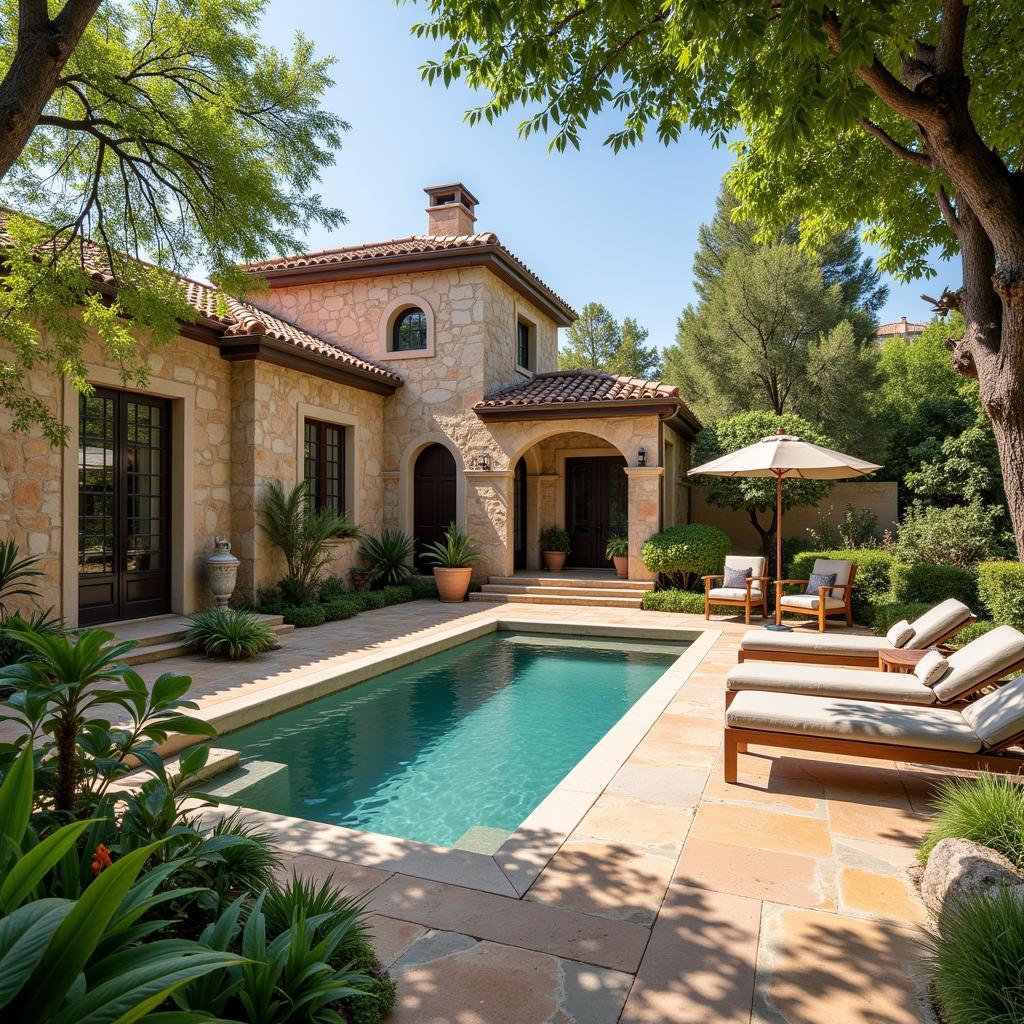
[(598, 591), (163, 636)]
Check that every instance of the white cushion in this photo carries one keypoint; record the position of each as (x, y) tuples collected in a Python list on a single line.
[(825, 681), (931, 668), (900, 633), (813, 643), (1000, 715), (808, 602), (831, 718), (734, 593), (842, 567), (992, 653), (755, 563), (937, 623)]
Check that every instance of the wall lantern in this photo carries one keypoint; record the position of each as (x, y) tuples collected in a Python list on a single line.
[(483, 460), (641, 457)]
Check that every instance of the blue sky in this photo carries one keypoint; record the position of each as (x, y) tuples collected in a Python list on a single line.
[(618, 229)]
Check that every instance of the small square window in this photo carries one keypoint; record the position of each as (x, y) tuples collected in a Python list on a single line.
[(524, 345)]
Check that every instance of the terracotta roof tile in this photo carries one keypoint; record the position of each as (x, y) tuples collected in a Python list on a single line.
[(571, 386)]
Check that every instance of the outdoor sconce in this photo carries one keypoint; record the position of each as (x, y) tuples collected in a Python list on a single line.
[(641, 457), (483, 460)]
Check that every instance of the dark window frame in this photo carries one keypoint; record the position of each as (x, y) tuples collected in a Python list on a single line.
[(323, 464), (525, 332), (422, 331)]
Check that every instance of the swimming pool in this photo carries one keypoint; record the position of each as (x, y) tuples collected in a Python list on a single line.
[(456, 749)]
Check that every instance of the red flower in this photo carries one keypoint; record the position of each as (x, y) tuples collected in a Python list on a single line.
[(100, 859)]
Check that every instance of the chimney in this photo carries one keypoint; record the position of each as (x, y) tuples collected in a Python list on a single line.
[(451, 210)]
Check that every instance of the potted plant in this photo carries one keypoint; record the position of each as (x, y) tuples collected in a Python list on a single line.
[(453, 556), (555, 546), (617, 550), (360, 577)]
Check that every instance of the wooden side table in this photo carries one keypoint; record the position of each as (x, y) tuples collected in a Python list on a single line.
[(899, 660)]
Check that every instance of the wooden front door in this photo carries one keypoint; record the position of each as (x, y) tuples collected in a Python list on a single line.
[(596, 507), (519, 515), (433, 501), (123, 499)]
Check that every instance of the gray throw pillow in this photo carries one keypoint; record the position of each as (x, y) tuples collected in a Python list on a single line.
[(736, 577), (819, 580)]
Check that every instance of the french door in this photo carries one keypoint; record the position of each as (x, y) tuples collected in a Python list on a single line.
[(123, 499), (596, 507)]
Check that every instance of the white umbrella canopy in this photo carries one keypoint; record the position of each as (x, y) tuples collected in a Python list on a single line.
[(780, 456)]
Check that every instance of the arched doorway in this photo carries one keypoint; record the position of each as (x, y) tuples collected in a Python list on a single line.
[(433, 498)]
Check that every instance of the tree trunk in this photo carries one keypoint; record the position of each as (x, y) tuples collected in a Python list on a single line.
[(67, 766), (767, 534)]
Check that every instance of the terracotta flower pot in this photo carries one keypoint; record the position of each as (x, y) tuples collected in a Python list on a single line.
[(360, 579), (554, 561), (452, 584), (621, 566)]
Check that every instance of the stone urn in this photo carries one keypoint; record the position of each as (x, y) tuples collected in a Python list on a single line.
[(452, 584), (554, 561), (222, 571)]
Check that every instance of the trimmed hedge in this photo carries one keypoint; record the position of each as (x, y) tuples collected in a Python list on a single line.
[(978, 628), (343, 608), (305, 615), (687, 550), (687, 601), (933, 583), (1001, 589), (883, 617), (874, 576)]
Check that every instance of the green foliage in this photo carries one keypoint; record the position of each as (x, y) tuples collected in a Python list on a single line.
[(857, 529), (341, 608), (422, 589), (1001, 589), (976, 962), (885, 614), (873, 583), (988, 809), (930, 584), (334, 588), (226, 633), (689, 602), (302, 534), (11, 648), (456, 551), (977, 628), (398, 595), (682, 553), (304, 897), (389, 556), (961, 535), (373, 599), (554, 538), (595, 341), (16, 575), (303, 616), (617, 547)]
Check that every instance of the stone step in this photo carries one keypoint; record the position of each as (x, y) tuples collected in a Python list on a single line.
[(611, 582), (565, 591), (172, 644), (585, 599)]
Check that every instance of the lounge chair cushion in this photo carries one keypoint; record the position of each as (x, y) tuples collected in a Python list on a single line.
[(900, 633), (832, 718), (937, 623), (809, 603), (931, 668), (734, 593), (991, 653), (998, 716), (825, 681), (840, 566), (813, 643)]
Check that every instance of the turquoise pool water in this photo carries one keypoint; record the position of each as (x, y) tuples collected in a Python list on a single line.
[(473, 738)]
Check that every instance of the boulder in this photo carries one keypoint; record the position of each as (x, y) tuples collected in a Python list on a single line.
[(959, 869)]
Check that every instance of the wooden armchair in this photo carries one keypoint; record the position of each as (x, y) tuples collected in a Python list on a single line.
[(829, 601), (754, 593)]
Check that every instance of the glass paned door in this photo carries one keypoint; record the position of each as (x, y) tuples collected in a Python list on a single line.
[(123, 492), (596, 507)]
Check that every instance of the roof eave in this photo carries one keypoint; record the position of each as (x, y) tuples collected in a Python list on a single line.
[(664, 408)]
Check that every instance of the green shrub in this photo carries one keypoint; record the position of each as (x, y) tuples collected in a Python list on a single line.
[(342, 608), (1001, 589), (398, 595), (872, 585), (371, 599), (302, 616), (689, 601), (269, 601), (978, 628), (682, 553), (857, 529), (988, 809), (334, 588), (930, 583), (962, 535), (422, 588), (389, 556), (226, 633), (977, 962), (554, 538), (882, 617)]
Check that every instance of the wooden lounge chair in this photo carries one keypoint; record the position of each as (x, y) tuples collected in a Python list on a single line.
[(932, 628), (982, 662), (828, 601), (754, 594), (978, 737)]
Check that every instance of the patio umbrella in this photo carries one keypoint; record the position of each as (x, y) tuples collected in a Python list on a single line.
[(784, 455)]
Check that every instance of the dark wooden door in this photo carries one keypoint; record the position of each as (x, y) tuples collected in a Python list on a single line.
[(433, 498), (596, 507), (519, 515), (123, 500)]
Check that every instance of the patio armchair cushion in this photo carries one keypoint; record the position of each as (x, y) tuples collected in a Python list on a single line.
[(998, 716), (818, 580), (900, 633), (991, 653), (807, 602), (842, 567), (825, 681), (931, 668), (938, 622), (734, 593), (736, 578), (757, 564), (834, 718)]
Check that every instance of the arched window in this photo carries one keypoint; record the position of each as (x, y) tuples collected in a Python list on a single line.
[(409, 332)]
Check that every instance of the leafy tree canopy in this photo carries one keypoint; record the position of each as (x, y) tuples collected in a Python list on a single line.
[(596, 341), (161, 129)]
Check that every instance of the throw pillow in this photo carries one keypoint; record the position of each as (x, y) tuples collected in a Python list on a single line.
[(931, 668), (900, 633), (819, 580), (736, 577)]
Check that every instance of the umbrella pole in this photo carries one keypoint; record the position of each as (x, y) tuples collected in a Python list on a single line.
[(778, 546)]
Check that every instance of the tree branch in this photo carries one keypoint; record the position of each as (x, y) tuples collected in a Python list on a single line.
[(949, 214), (949, 54), (911, 155)]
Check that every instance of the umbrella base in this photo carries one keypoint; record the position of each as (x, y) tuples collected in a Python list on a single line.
[(779, 628)]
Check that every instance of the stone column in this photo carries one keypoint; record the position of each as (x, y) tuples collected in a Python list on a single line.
[(489, 520), (644, 514)]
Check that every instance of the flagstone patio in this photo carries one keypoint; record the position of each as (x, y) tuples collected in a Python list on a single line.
[(677, 898)]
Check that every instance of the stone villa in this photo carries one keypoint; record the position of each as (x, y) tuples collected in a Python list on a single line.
[(411, 383)]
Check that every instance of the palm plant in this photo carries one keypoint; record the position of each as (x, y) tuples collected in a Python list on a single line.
[(456, 551), (15, 573), (227, 633), (389, 556), (301, 532), (617, 547)]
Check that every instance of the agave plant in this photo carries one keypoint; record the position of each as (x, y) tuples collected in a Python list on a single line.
[(389, 556), (226, 633), (456, 551)]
